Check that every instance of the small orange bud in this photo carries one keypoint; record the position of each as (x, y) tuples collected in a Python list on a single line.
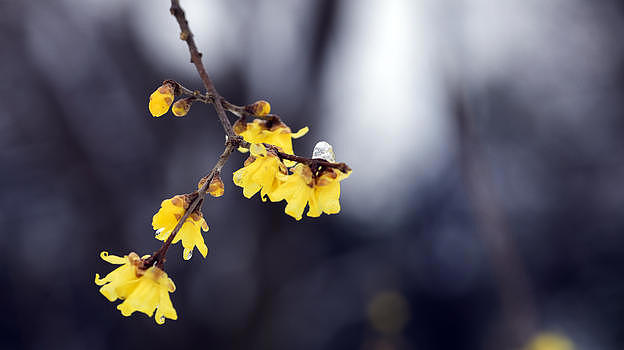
[(196, 216), (259, 108), (181, 201), (216, 188), (239, 126), (181, 107)]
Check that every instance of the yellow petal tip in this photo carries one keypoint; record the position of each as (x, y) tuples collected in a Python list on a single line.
[(300, 133)]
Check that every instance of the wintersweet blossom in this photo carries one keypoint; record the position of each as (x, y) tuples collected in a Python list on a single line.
[(123, 274), (273, 132), (141, 290), (149, 293), (327, 192), (260, 173), (297, 189), (321, 192), (166, 219)]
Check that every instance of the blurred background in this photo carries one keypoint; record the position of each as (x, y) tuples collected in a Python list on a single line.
[(485, 208)]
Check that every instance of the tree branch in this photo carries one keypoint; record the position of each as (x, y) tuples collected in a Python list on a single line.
[(243, 112), (232, 140), (187, 36), (313, 163)]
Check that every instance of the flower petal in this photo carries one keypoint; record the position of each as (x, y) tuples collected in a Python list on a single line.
[(300, 133), (113, 259)]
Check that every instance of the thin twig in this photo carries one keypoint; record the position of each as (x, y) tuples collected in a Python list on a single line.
[(187, 36), (159, 255), (239, 111), (312, 162), (242, 111)]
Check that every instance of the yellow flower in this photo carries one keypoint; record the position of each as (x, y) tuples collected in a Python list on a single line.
[(273, 132), (142, 290), (160, 100), (125, 273), (166, 219), (260, 173), (549, 341), (321, 193), (148, 293), (171, 210), (327, 192), (297, 189)]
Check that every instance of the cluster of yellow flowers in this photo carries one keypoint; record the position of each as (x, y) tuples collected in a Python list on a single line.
[(298, 184), (143, 290), (146, 289), (141, 283)]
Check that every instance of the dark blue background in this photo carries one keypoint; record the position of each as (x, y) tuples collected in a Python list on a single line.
[(84, 168)]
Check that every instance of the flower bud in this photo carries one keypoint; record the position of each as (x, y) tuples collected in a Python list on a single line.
[(259, 108), (201, 183), (180, 200), (216, 188), (181, 107), (239, 126), (161, 99)]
